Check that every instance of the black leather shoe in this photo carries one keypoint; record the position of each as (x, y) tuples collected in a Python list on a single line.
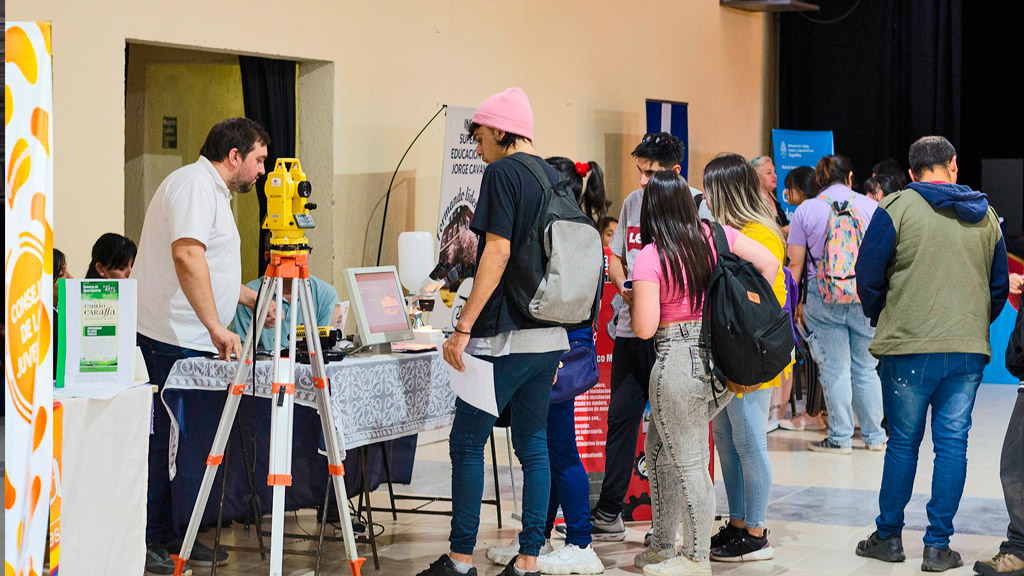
[(885, 549), (940, 559)]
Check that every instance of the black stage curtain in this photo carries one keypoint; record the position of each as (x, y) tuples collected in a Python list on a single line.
[(879, 74), (268, 89)]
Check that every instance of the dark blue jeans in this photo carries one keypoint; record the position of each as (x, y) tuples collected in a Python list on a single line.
[(522, 382), (570, 487), (1011, 472), (160, 357), (911, 383)]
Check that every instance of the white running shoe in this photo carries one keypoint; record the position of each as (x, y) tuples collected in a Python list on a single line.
[(570, 559), (502, 554), (652, 555), (678, 566)]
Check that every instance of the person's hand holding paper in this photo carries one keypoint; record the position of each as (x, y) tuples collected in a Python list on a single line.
[(475, 384)]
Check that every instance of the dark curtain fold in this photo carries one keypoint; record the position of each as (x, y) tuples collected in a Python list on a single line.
[(886, 74), (268, 89)]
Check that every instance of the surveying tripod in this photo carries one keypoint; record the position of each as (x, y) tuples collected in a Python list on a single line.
[(287, 190)]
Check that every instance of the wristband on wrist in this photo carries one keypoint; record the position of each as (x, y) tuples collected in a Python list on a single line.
[(456, 328)]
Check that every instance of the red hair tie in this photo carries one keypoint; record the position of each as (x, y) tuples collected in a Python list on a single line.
[(582, 169)]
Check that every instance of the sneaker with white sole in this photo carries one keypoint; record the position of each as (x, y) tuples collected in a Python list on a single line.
[(829, 447), (502, 554), (678, 566), (570, 559), (604, 530), (746, 548), (876, 447), (652, 555)]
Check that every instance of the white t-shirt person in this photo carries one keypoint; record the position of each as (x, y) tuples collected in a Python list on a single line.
[(193, 202)]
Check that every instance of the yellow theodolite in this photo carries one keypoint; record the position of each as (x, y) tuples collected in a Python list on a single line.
[(288, 207)]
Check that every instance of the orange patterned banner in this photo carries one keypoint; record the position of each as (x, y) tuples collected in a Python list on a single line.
[(28, 271)]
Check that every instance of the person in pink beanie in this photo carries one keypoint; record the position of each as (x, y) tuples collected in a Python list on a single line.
[(524, 353)]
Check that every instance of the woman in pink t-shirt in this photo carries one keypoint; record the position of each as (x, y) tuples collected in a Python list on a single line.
[(669, 279)]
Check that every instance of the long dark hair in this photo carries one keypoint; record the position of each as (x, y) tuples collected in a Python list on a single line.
[(668, 218), (589, 189), (114, 251)]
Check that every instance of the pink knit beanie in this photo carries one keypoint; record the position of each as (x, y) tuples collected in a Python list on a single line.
[(508, 111)]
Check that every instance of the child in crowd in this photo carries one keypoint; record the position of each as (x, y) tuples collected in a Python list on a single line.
[(800, 185), (669, 279), (607, 226)]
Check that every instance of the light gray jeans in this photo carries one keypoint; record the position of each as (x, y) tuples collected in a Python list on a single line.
[(682, 404)]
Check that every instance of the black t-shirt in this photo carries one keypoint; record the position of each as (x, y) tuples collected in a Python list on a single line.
[(510, 198)]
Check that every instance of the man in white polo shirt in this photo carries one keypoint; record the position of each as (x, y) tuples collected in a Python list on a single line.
[(189, 271)]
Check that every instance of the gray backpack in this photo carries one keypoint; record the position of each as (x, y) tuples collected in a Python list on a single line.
[(557, 275)]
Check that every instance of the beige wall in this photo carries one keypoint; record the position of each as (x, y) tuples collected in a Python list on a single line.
[(586, 65)]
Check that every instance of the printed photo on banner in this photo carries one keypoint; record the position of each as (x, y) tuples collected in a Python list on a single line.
[(460, 190)]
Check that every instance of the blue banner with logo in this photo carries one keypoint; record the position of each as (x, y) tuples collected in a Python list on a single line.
[(666, 116), (794, 148)]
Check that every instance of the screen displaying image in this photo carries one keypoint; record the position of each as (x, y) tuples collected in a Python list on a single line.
[(382, 302)]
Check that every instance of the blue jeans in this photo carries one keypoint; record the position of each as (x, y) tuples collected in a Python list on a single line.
[(948, 383), (523, 382), (570, 487), (160, 357), (839, 335), (741, 438)]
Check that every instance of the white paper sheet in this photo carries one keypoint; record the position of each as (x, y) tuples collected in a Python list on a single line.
[(475, 386)]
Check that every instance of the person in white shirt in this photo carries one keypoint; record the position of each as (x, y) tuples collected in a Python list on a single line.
[(189, 274)]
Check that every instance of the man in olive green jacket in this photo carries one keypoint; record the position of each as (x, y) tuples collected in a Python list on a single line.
[(931, 275)]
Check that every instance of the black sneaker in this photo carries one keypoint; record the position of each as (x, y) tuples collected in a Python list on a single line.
[(885, 549), (201, 555), (745, 548), (940, 559), (510, 570), (725, 534), (159, 562), (443, 567)]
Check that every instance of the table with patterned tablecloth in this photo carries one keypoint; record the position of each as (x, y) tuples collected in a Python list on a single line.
[(373, 398)]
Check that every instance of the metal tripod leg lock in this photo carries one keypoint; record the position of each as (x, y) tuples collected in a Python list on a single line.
[(286, 265)]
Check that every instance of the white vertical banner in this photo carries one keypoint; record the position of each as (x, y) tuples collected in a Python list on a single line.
[(28, 272), (460, 189)]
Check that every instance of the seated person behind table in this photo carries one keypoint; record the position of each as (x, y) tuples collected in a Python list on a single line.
[(325, 301)]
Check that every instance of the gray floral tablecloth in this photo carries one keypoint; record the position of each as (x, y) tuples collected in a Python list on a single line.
[(373, 398)]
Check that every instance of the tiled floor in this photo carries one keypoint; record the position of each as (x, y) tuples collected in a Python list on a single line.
[(821, 505)]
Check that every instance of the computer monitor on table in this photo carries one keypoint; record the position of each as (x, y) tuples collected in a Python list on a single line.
[(378, 306)]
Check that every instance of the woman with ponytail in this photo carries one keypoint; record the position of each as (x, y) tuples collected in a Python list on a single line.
[(586, 179), (838, 333)]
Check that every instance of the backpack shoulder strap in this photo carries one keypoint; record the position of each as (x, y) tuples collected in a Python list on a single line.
[(721, 241), (533, 164)]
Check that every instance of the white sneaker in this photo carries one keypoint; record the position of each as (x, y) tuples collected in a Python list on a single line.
[(502, 554), (678, 566), (570, 559), (652, 555)]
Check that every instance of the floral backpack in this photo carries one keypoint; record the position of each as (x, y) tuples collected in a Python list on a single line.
[(837, 280)]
